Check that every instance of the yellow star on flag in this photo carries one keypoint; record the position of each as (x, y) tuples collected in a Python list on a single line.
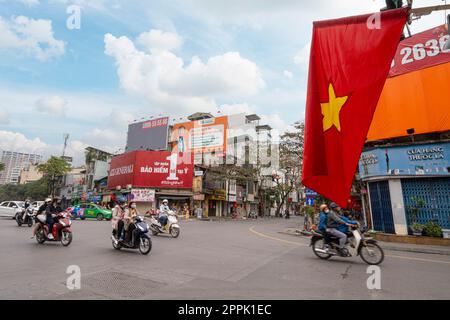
[(331, 110)]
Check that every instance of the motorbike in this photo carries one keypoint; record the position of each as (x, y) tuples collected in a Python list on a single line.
[(326, 246), (26, 216), (172, 227), (61, 229), (139, 237)]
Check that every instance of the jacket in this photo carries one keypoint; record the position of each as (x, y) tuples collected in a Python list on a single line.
[(344, 228), (333, 220), (322, 221)]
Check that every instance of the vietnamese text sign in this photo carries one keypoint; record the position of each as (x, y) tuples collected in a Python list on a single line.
[(143, 195)]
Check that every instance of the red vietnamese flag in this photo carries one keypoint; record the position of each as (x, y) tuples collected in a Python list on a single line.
[(348, 67)]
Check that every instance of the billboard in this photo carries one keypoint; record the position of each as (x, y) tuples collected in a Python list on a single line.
[(143, 195), (155, 169), (416, 94), (148, 135), (201, 136), (425, 159), (422, 50)]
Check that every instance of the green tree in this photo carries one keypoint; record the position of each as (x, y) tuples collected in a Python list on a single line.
[(2, 166), (53, 171), (36, 190), (291, 159)]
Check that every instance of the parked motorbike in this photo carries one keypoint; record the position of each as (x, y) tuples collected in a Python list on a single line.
[(61, 229), (26, 216), (140, 238), (367, 248), (172, 227)]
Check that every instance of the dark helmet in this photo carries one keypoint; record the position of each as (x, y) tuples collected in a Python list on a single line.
[(333, 205)]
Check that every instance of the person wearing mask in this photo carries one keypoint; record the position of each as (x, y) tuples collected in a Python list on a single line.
[(25, 207), (50, 211), (117, 217), (130, 214), (163, 210), (333, 222), (323, 218), (42, 210)]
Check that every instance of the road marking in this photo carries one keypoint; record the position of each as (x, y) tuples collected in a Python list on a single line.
[(251, 229)]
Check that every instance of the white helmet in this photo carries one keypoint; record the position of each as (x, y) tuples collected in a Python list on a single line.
[(165, 201), (48, 200)]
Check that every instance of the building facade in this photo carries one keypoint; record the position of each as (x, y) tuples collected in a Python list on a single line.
[(15, 162)]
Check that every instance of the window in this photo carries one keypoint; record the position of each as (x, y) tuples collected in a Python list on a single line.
[(4, 204), (13, 205)]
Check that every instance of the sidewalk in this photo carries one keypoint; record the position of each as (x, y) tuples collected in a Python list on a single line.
[(417, 248)]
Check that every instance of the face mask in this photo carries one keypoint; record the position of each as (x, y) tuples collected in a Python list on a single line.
[(326, 211), (133, 206)]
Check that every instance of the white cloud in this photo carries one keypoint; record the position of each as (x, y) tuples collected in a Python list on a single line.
[(301, 58), (4, 117), (29, 3), (55, 105), (288, 74), (30, 36), (159, 40), (162, 78), (119, 119), (13, 141)]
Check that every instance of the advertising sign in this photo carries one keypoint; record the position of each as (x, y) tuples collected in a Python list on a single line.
[(424, 159), (152, 169), (202, 136), (148, 135), (143, 195), (423, 50)]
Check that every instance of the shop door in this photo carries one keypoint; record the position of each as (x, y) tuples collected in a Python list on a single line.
[(436, 194), (380, 201)]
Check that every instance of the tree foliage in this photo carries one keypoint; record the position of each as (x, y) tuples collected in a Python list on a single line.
[(53, 170), (291, 160), (36, 190)]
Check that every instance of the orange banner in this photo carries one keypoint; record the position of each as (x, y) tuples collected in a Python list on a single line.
[(202, 136), (418, 100)]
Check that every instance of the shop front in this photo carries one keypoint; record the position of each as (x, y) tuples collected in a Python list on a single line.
[(151, 177), (397, 177)]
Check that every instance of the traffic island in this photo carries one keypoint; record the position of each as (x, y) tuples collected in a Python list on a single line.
[(423, 240)]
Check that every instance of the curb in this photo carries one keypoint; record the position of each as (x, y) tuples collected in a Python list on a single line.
[(388, 247)]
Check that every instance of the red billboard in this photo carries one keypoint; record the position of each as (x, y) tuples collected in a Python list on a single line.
[(154, 169), (423, 50)]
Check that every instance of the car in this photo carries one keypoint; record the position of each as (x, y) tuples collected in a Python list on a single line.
[(91, 210), (36, 205), (10, 208)]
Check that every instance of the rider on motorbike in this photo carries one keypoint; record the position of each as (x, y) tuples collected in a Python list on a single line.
[(130, 214), (163, 211), (323, 218), (333, 222), (25, 207)]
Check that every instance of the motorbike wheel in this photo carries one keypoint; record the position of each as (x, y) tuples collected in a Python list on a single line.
[(174, 232), (100, 217), (40, 236), (320, 244), (372, 254), (66, 238), (145, 246), (19, 220), (115, 245), (30, 222)]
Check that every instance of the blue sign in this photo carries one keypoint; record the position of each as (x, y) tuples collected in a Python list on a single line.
[(413, 160), (309, 201), (310, 192)]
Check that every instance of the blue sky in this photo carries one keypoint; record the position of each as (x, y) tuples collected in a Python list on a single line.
[(132, 59)]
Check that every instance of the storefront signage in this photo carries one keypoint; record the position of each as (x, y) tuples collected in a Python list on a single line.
[(143, 195), (152, 169), (427, 159)]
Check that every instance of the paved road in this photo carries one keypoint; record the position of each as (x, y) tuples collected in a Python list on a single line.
[(210, 260)]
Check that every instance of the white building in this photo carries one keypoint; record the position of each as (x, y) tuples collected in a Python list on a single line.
[(15, 162)]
